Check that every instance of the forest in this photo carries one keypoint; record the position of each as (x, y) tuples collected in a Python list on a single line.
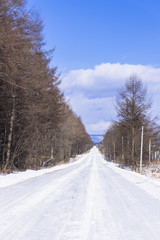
[(37, 127), (124, 142)]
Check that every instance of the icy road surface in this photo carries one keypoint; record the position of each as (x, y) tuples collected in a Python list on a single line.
[(86, 201)]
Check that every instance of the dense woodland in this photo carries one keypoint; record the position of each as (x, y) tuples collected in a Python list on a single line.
[(122, 141), (36, 123)]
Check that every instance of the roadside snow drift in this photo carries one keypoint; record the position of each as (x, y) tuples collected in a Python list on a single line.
[(17, 177)]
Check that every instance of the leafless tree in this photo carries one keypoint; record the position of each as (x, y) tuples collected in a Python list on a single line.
[(123, 139), (34, 117)]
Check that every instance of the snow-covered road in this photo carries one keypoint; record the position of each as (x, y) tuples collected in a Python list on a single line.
[(85, 201)]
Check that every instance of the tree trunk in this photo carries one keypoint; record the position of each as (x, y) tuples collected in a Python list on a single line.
[(133, 146), (12, 119)]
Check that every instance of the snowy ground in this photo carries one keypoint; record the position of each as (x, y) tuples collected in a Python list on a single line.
[(87, 200), (17, 177), (152, 171)]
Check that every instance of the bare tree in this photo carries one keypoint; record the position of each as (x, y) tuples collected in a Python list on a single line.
[(123, 138), (132, 106), (34, 117)]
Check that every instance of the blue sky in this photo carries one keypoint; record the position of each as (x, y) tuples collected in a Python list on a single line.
[(99, 43)]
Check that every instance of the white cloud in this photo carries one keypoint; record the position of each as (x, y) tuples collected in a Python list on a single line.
[(98, 128), (92, 91), (107, 76), (92, 109)]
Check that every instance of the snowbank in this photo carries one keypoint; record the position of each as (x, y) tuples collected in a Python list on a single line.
[(148, 184), (17, 177)]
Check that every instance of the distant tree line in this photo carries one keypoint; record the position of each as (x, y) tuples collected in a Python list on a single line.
[(122, 141), (36, 123)]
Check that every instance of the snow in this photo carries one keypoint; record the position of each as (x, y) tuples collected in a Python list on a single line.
[(148, 184), (152, 171), (89, 199), (17, 177)]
